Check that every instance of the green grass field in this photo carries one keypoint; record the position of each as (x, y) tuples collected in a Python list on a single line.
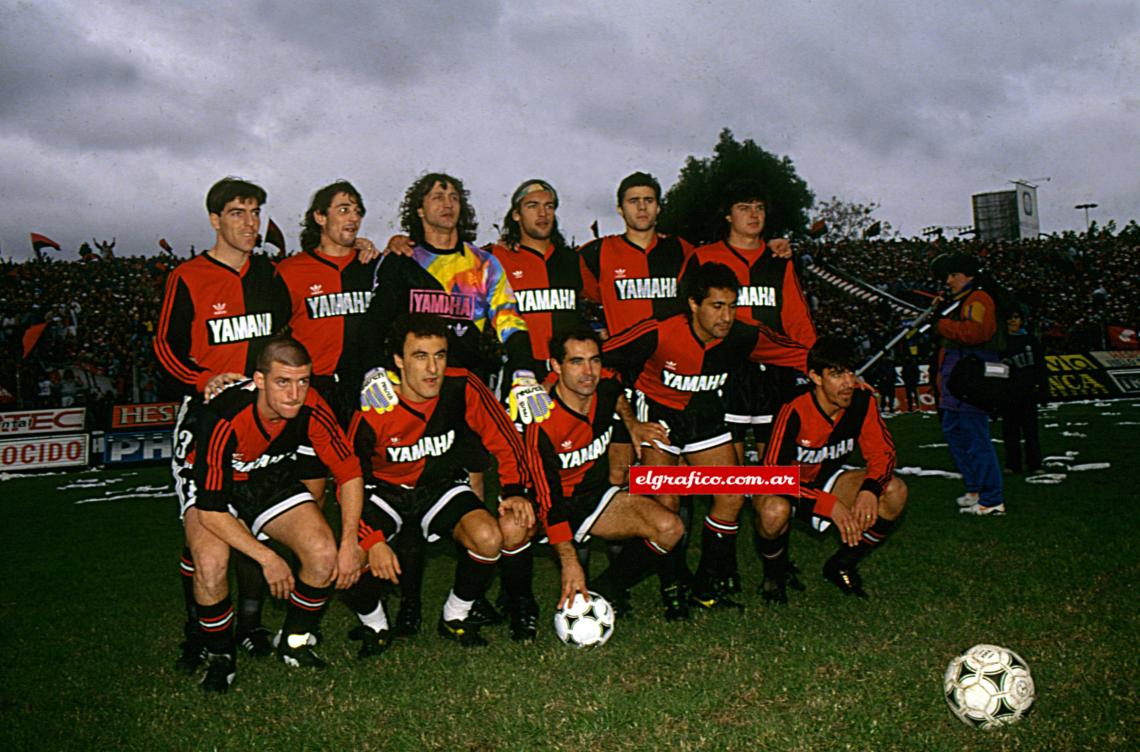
[(90, 618)]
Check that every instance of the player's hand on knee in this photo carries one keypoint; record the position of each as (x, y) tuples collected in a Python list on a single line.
[(529, 402), (647, 434), (519, 510), (378, 392), (848, 526), (866, 510), (383, 563), (279, 576), (350, 562)]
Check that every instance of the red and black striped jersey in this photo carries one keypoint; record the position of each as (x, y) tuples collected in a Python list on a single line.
[(328, 296), (416, 443), (803, 435), (215, 319), (633, 283), (546, 285), (770, 291), (569, 453), (679, 371), (234, 444)]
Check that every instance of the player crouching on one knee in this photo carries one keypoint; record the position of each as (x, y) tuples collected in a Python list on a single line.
[(818, 431), (256, 443), (411, 450), (569, 451)]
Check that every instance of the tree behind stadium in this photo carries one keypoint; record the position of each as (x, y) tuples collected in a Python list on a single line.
[(692, 205)]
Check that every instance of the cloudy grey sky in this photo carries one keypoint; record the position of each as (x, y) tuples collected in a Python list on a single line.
[(116, 116)]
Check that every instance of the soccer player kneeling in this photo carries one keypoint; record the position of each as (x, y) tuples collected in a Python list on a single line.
[(574, 492), (417, 485), (818, 430), (256, 444)]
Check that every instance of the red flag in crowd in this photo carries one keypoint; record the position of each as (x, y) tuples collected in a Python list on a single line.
[(31, 336), (274, 236), (165, 246), (594, 229), (1123, 338), (40, 242)]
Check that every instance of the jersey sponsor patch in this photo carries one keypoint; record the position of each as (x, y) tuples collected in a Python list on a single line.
[(337, 303), (809, 456), (538, 301), (705, 382), (240, 328), (757, 296), (433, 446), (263, 461), (450, 305), (592, 451), (646, 288)]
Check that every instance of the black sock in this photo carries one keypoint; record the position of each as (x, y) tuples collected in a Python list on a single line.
[(849, 556), (365, 595), (636, 561), (306, 605), (516, 566), (186, 577), (252, 589), (473, 574), (718, 541), (217, 624), (774, 555), (411, 550)]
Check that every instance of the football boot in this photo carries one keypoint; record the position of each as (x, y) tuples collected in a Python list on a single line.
[(846, 579), (459, 630), (220, 671)]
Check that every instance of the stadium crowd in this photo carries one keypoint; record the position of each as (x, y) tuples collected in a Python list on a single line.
[(101, 313)]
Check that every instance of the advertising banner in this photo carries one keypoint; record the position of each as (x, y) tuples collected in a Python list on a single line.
[(43, 452), (128, 447), (150, 415), (32, 422)]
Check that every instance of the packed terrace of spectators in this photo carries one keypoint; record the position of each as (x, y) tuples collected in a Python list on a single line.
[(101, 313)]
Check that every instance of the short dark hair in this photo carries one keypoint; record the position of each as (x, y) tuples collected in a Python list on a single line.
[(414, 201), (580, 333), (284, 350), (322, 200), (638, 180), (416, 324), (740, 191), (229, 188), (697, 283), (836, 353)]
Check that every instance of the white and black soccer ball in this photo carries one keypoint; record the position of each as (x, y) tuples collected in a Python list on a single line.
[(989, 686), (585, 624)]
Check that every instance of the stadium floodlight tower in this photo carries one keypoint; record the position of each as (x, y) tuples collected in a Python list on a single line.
[(1086, 207)]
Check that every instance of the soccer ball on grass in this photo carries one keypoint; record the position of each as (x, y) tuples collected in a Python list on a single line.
[(988, 686), (585, 624)]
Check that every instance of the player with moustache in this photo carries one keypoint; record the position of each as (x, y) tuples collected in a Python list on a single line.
[(417, 486), (576, 499), (254, 446), (683, 364), (218, 310), (819, 431)]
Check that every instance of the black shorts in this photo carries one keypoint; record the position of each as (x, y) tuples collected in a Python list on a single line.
[(257, 504), (689, 431), (435, 509), (754, 396), (582, 511), (803, 508)]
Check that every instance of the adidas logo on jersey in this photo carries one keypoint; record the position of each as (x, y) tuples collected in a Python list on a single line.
[(589, 453), (315, 289), (671, 365), (567, 444), (808, 456), (706, 382), (219, 309), (428, 446), (240, 328), (517, 273), (619, 273)]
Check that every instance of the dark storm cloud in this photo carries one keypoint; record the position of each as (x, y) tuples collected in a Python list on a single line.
[(62, 89), (396, 43)]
